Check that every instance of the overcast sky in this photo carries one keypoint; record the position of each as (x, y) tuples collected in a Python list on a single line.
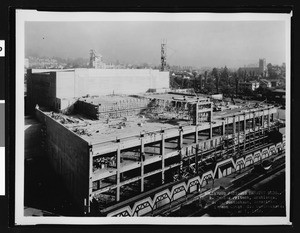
[(213, 44)]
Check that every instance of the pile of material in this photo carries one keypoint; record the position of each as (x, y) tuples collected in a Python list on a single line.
[(168, 110), (63, 119), (102, 162), (81, 132)]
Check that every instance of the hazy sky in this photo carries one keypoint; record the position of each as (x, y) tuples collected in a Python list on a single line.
[(188, 43)]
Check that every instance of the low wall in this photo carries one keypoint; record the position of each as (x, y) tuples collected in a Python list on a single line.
[(119, 109), (87, 109)]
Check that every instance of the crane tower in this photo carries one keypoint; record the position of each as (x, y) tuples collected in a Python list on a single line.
[(163, 57)]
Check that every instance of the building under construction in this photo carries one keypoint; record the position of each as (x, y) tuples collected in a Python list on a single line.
[(130, 151)]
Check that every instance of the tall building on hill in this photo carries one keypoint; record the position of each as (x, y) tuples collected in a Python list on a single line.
[(261, 70), (96, 60)]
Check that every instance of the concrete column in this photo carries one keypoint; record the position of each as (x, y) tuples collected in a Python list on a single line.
[(162, 152), (181, 161), (234, 131), (196, 134), (239, 120), (253, 121), (118, 173), (234, 125), (272, 117), (223, 128), (196, 158), (263, 119), (239, 129), (245, 128), (162, 144), (245, 123), (142, 177), (268, 118), (210, 130), (180, 138), (142, 164), (197, 114)]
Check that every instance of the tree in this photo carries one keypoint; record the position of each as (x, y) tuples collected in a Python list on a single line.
[(224, 83), (224, 77), (228, 90), (209, 86), (205, 76), (215, 74), (265, 92), (247, 92), (236, 82)]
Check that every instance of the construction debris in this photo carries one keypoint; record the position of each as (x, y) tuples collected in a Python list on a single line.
[(63, 118), (81, 132)]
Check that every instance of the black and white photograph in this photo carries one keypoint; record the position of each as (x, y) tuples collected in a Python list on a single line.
[(178, 118)]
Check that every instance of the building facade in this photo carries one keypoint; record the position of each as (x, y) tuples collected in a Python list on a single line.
[(251, 85), (265, 83), (137, 168), (136, 152)]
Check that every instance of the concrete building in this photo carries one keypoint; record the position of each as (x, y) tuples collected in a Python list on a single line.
[(275, 82), (58, 89), (129, 162), (265, 83), (261, 70)]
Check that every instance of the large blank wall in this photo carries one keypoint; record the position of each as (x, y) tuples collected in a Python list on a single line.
[(69, 155), (109, 81)]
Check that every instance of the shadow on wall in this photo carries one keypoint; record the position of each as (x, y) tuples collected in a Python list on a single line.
[(43, 187), (69, 110)]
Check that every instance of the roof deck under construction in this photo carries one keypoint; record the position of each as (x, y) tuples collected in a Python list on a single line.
[(99, 119), (107, 118)]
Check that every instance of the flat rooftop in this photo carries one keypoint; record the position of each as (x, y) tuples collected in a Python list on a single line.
[(108, 129)]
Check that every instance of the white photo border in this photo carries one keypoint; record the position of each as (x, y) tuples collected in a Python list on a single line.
[(23, 16)]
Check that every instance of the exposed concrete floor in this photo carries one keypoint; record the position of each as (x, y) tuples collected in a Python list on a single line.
[(105, 130), (174, 96), (109, 129), (108, 100)]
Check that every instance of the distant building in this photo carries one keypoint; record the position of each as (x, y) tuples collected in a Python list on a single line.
[(274, 82), (261, 70), (251, 85), (96, 60), (43, 63), (265, 83), (57, 89)]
